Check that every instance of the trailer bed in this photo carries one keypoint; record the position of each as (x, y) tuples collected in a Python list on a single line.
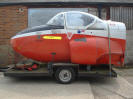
[(43, 71)]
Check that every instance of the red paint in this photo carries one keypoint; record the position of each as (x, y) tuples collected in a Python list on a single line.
[(94, 50)]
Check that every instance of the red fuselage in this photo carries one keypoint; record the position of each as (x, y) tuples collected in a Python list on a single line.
[(80, 49)]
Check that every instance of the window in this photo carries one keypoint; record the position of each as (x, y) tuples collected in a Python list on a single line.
[(78, 19), (40, 16), (58, 20)]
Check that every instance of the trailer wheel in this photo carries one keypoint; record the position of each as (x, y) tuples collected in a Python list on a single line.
[(65, 75)]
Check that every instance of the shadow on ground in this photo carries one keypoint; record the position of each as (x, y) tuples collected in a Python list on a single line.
[(98, 80)]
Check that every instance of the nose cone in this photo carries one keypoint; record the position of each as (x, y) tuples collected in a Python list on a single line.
[(13, 42)]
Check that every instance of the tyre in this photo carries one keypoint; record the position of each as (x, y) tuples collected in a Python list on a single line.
[(65, 75)]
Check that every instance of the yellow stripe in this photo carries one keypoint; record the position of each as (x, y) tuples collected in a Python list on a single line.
[(52, 37)]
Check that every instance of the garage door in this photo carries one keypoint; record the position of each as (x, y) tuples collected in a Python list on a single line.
[(122, 14), (40, 16)]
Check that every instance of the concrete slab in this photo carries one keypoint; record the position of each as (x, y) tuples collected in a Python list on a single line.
[(129, 79), (125, 72), (100, 93), (119, 88), (39, 88)]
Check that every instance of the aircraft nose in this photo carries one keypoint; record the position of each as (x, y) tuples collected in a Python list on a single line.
[(13, 42)]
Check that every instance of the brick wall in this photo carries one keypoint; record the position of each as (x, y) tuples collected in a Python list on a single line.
[(12, 20)]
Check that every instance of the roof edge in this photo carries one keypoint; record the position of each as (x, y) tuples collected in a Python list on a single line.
[(64, 3)]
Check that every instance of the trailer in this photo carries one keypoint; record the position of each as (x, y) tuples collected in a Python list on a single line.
[(63, 72)]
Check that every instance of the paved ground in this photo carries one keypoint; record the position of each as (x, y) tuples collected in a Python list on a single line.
[(84, 88)]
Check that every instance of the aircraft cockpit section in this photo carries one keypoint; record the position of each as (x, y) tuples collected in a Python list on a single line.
[(75, 37), (77, 20), (57, 20), (72, 20)]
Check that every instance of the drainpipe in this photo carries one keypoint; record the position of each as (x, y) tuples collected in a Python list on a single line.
[(99, 11)]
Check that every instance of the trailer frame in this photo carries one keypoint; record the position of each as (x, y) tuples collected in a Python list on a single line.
[(51, 68)]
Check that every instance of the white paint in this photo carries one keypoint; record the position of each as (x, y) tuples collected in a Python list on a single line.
[(117, 29), (69, 34), (100, 33), (97, 28)]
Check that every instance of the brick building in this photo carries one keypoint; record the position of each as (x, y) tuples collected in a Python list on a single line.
[(16, 15)]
